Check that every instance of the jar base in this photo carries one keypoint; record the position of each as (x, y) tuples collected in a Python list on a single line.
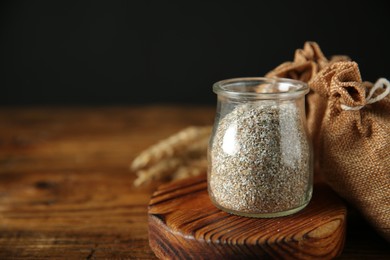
[(261, 215)]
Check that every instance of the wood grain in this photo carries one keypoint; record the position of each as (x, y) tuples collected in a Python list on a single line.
[(66, 191), (184, 224), (65, 186)]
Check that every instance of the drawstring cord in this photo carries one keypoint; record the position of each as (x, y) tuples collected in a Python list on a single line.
[(380, 83)]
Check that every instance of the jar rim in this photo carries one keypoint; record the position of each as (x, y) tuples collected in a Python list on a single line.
[(248, 88)]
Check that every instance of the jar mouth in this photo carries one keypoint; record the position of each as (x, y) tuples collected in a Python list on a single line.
[(261, 88)]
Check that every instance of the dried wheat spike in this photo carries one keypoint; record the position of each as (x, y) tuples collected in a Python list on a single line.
[(197, 149), (192, 167), (185, 172), (159, 171), (169, 147)]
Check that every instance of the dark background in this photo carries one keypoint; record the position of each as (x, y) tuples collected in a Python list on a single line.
[(133, 52)]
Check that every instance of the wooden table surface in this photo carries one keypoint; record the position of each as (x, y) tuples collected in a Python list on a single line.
[(66, 190)]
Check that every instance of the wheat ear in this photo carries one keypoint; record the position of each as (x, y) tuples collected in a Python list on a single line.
[(170, 147)]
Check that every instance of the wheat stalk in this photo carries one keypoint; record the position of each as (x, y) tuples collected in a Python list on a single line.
[(170, 146), (181, 155)]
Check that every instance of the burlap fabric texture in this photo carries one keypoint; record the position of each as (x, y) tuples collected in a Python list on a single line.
[(350, 130), (354, 140)]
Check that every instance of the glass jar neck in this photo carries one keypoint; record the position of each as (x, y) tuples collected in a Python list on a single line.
[(260, 89)]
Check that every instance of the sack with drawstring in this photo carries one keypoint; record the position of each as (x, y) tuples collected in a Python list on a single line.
[(354, 140)]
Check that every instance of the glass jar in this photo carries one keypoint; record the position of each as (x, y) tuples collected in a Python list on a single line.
[(260, 155)]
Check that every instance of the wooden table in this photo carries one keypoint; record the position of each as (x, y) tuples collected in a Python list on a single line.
[(66, 190)]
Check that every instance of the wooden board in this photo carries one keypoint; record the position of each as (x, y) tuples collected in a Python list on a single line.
[(66, 191), (184, 224)]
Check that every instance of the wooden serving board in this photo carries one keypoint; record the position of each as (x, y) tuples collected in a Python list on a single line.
[(184, 224)]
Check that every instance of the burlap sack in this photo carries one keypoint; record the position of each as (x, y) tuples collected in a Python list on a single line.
[(354, 140), (307, 63)]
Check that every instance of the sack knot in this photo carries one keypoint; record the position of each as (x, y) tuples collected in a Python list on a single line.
[(381, 83)]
